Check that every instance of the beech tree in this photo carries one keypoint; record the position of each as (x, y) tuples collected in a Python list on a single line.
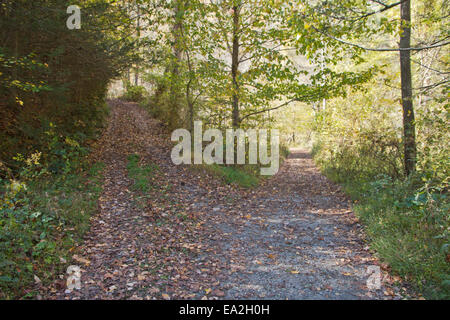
[(243, 49)]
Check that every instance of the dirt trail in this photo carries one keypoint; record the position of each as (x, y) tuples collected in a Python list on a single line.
[(191, 237)]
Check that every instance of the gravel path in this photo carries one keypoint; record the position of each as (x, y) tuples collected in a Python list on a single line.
[(301, 242), (192, 237)]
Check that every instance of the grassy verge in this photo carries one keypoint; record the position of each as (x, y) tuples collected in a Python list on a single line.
[(41, 222), (408, 226), (141, 174), (245, 176)]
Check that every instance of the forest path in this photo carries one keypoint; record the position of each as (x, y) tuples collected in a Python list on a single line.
[(192, 237)]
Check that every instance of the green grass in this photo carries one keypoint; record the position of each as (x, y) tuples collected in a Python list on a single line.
[(141, 174), (407, 225), (245, 176), (44, 223)]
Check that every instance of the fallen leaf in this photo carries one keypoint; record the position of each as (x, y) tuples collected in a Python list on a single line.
[(81, 259), (141, 277), (165, 296), (218, 293)]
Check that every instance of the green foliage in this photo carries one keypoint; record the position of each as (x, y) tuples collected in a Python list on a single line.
[(358, 144), (141, 174), (196, 57), (42, 217), (50, 74), (134, 93), (245, 176), (52, 88), (356, 137), (409, 229), (13, 66)]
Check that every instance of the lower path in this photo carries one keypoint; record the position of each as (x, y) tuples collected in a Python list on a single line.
[(191, 237)]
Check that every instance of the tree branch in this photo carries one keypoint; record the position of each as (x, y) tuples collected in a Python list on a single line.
[(429, 68), (436, 45), (385, 7), (269, 109)]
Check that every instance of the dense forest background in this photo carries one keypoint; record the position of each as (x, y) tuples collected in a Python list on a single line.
[(363, 84)]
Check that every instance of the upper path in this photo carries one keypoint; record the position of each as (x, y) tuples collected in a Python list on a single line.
[(192, 237)]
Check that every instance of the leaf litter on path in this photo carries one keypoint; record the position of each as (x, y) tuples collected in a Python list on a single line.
[(192, 237)]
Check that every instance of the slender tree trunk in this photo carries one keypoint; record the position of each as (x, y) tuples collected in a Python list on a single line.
[(235, 67), (409, 130), (174, 92), (322, 67), (136, 76), (138, 25), (191, 112), (190, 102)]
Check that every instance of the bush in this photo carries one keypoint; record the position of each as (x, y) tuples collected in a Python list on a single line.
[(54, 75), (42, 217), (135, 93)]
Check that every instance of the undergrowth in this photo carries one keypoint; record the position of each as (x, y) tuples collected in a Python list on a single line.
[(43, 215), (407, 222)]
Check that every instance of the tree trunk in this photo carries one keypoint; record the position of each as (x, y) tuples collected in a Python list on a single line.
[(189, 100), (235, 67), (409, 131), (174, 92), (138, 25)]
